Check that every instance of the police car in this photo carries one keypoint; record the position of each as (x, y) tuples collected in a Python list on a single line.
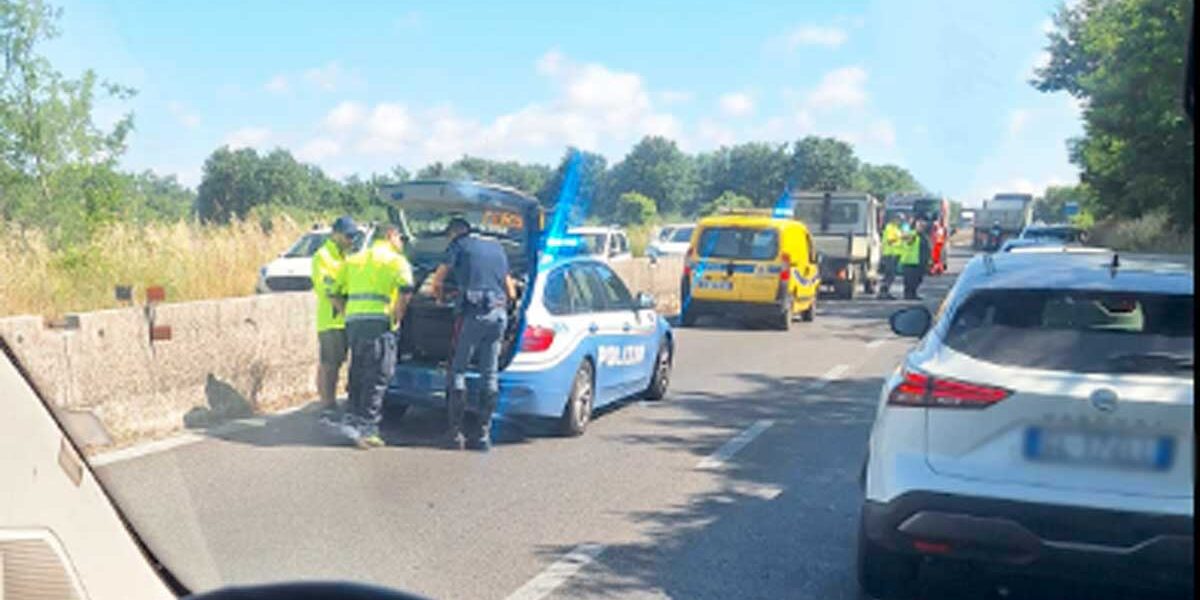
[(577, 340)]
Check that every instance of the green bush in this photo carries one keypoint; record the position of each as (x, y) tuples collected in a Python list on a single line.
[(635, 209)]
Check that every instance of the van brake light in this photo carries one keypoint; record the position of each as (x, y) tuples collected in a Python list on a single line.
[(786, 273)]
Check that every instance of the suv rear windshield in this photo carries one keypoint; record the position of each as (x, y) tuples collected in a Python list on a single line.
[(1079, 331), (739, 242)]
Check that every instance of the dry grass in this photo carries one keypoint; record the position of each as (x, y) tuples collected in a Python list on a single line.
[(191, 261), (1152, 233)]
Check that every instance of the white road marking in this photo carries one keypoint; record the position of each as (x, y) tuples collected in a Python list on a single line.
[(115, 456), (558, 573), (762, 491), (728, 449), (834, 372)]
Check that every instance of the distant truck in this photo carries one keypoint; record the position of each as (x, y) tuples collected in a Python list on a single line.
[(1001, 218), (845, 231), (931, 209)]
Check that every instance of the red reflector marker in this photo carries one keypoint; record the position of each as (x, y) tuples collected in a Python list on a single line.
[(536, 339), (925, 547)]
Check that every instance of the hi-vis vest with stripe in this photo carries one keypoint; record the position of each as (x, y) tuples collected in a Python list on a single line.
[(327, 266), (374, 277)]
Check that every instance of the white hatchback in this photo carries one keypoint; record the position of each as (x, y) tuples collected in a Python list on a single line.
[(1043, 423)]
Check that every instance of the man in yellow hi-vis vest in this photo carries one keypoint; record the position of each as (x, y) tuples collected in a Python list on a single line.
[(327, 264), (910, 262), (377, 283), (892, 248)]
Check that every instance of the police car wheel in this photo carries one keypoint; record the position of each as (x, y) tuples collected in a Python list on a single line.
[(662, 373), (578, 410)]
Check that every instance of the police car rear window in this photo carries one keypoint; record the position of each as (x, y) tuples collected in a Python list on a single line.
[(1077, 331), (738, 242)]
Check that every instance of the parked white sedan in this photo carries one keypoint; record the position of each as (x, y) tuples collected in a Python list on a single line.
[(292, 270)]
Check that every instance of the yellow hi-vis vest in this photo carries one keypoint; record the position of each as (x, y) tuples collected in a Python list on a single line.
[(327, 265), (911, 250), (892, 244), (373, 279)]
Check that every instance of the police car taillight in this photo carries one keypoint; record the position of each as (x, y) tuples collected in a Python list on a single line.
[(536, 339)]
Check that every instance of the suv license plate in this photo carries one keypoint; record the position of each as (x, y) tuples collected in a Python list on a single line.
[(713, 284), (1099, 448)]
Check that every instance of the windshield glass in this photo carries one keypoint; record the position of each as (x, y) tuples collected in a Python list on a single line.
[(1077, 331), (840, 213), (648, 372), (738, 242)]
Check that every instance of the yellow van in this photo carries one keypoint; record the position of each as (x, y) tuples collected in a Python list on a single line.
[(750, 265)]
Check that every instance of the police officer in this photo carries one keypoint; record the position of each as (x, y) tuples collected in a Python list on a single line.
[(377, 283), (327, 266), (481, 273), (891, 256)]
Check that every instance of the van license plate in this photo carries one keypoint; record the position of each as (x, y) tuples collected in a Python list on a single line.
[(714, 284), (1099, 448)]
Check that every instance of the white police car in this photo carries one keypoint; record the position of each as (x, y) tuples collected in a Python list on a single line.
[(577, 338)]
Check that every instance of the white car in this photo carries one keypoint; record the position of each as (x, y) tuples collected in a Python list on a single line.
[(292, 270), (1042, 424), (608, 244), (672, 240)]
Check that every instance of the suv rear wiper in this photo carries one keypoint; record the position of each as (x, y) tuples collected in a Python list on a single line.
[(1150, 362)]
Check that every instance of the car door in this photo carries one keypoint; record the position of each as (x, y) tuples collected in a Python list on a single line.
[(603, 327), (635, 349)]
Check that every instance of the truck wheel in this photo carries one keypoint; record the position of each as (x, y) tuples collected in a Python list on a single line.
[(845, 289), (868, 285)]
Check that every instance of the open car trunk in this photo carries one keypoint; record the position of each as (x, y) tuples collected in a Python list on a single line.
[(423, 209)]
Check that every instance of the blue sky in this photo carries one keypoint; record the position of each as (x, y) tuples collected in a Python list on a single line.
[(937, 86)]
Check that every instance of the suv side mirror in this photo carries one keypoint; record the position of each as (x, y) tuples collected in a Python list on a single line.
[(644, 301), (913, 321)]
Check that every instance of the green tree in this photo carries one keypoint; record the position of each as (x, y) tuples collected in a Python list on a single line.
[(755, 170), (635, 209), (822, 163), (727, 200), (882, 180), (57, 166), (1124, 60), (593, 169), (655, 167)]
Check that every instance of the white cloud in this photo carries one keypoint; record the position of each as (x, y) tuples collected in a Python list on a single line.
[(674, 97), (277, 85), (248, 137), (183, 115), (1017, 120), (318, 149), (811, 35), (737, 104), (839, 88), (551, 63), (389, 128), (712, 133), (330, 77), (345, 116)]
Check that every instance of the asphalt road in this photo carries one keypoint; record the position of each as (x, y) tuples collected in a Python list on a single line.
[(742, 483)]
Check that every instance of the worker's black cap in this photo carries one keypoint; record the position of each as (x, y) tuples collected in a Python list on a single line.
[(459, 223), (345, 225)]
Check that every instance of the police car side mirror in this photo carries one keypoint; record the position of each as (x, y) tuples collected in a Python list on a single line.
[(644, 301), (913, 321)]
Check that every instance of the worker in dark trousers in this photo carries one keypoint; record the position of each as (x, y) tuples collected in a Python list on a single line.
[(910, 264), (377, 283), (925, 259), (485, 287)]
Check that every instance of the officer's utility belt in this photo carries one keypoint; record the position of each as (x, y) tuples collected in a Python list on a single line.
[(483, 300)]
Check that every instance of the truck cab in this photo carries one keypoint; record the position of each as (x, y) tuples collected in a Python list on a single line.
[(845, 231)]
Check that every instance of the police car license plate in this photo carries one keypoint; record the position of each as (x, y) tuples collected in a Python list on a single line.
[(1099, 448), (714, 284)]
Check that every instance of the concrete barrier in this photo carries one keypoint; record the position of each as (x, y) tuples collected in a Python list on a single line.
[(226, 358)]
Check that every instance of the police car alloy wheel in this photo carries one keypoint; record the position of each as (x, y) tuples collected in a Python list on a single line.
[(662, 373), (578, 410)]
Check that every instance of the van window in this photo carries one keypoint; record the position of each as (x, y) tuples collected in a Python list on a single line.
[(739, 242)]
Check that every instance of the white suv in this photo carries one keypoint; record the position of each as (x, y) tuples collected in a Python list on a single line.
[(1043, 423), (608, 244)]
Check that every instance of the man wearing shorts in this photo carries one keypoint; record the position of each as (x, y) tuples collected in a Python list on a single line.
[(327, 265)]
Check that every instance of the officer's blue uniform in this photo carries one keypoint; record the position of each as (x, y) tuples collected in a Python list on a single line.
[(480, 269)]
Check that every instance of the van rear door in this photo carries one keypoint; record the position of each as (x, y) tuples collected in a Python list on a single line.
[(737, 263)]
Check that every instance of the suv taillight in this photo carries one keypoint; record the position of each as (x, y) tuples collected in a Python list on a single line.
[(919, 389), (536, 339)]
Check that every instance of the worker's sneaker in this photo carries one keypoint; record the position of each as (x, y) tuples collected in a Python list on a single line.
[(366, 442), (482, 445), (454, 441)]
